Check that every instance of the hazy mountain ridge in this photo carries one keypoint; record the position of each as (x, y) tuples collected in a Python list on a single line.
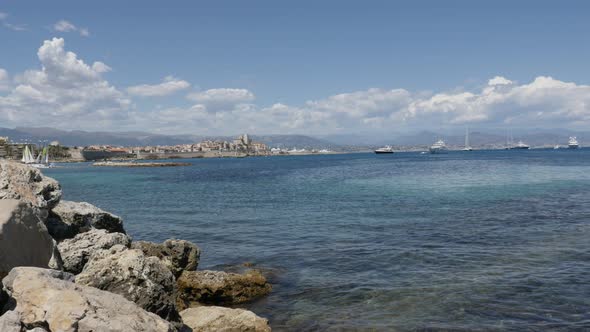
[(333, 142), (85, 138)]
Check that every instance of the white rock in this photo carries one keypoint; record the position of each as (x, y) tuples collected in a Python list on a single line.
[(223, 319), (44, 299)]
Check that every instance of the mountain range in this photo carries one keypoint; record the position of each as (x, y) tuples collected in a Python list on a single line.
[(333, 142)]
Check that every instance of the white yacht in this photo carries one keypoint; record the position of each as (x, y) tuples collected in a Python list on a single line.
[(573, 143), (387, 149), (438, 147), (520, 146), (467, 146)]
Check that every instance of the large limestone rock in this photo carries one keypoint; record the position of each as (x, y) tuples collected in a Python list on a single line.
[(24, 240), (49, 300), (223, 319), (70, 218), (178, 255), (75, 252), (18, 181), (143, 280), (220, 288)]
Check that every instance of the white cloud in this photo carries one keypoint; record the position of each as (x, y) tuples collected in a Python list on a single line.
[(222, 100), (11, 26), (100, 67), (4, 80), (65, 26), (499, 80), (66, 92), (168, 86)]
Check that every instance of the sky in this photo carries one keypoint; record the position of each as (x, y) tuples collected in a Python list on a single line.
[(294, 67)]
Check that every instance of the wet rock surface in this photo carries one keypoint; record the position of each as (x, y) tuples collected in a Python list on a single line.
[(220, 288)]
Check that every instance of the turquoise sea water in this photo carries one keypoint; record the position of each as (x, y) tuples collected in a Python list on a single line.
[(482, 240)]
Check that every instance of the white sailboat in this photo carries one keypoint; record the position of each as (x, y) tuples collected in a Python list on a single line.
[(467, 146), (42, 160)]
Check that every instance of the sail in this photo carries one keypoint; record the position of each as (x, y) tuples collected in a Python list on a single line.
[(30, 158), (467, 137), (39, 157), (46, 153), (24, 158)]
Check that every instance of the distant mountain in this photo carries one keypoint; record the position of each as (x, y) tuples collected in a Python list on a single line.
[(85, 138), (344, 142)]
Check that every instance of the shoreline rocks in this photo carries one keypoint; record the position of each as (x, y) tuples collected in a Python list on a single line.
[(220, 288), (49, 300), (24, 240), (68, 218), (120, 285), (223, 319), (76, 252), (19, 181), (178, 255), (129, 273)]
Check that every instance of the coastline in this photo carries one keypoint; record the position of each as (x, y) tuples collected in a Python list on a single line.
[(77, 255)]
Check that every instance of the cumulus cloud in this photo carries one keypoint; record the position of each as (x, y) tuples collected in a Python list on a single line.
[(541, 103), (64, 92), (169, 85), (65, 26), (67, 92), (499, 80), (221, 100)]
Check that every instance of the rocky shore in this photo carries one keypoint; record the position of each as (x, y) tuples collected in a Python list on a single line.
[(70, 266)]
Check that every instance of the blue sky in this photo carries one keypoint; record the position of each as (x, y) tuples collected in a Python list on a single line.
[(277, 66)]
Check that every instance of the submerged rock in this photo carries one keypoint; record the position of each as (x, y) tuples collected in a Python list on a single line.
[(223, 319), (68, 218), (217, 287), (128, 272), (19, 181), (24, 240), (49, 300), (178, 255), (75, 252)]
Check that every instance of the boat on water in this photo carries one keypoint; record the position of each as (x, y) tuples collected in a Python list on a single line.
[(556, 147), (438, 147), (520, 146), (573, 143), (384, 150), (42, 160), (467, 147)]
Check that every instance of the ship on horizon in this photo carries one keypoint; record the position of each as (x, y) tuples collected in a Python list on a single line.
[(384, 150), (438, 147), (573, 143)]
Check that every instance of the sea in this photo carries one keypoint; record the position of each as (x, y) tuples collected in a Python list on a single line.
[(463, 241)]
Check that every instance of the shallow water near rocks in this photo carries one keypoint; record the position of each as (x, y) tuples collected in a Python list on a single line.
[(482, 240)]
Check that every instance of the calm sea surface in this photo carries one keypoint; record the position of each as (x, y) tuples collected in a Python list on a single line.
[(483, 240)]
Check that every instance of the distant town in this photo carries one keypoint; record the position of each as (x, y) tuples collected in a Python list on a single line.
[(241, 146), (244, 145)]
